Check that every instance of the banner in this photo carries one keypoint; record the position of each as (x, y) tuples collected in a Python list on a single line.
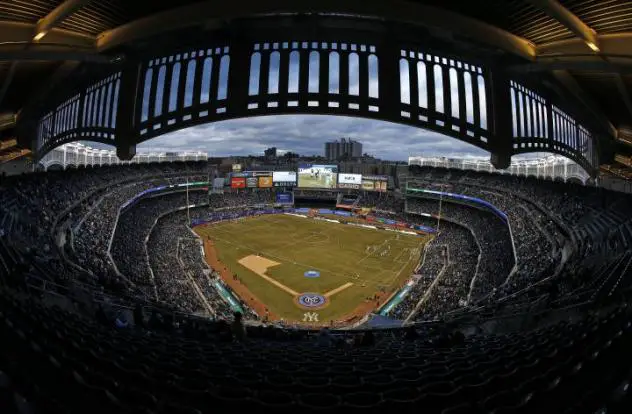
[(284, 198), (350, 179), (238, 182), (284, 178), (252, 182), (265, 182)]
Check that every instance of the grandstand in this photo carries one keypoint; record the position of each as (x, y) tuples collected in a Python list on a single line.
[(124, 252), (159, 283)]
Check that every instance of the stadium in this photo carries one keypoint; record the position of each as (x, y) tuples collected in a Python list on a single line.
[(175, 282)]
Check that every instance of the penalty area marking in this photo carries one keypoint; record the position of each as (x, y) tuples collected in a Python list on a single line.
[(338, 289), (259, 265)]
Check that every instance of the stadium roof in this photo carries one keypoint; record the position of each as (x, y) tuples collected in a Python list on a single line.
[(585, 44)]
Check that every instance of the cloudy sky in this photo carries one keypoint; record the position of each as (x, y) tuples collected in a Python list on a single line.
[(306, 135)]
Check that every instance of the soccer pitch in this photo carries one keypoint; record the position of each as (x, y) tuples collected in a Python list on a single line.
[(271, 255)]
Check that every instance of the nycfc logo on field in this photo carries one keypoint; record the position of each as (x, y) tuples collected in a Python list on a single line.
[(312, 273), (311, 300)]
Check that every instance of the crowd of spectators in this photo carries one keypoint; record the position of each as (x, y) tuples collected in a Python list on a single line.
[(391, 202), (315, 194), (234, 198), (78, 210), (129, 250), (174, 285), (491, 238), (434, 262), (36, 206)]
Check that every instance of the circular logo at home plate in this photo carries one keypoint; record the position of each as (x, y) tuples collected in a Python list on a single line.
[(311, 300)]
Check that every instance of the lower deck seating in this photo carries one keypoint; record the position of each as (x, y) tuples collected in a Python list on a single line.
[(61, 362)]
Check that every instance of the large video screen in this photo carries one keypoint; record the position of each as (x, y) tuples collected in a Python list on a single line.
[(349, 180), (284, 178), (317, 176)]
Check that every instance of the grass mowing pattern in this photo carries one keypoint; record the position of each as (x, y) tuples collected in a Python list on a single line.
[(370, 259)]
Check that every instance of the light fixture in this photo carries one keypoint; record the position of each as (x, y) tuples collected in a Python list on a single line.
[(593, 46), (39, 36)]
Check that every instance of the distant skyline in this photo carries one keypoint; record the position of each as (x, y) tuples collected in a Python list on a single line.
[(306, 135)]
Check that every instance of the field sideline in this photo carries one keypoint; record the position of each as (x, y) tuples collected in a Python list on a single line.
[(271, 253)]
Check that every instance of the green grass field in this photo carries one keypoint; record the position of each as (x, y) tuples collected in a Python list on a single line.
[(367, 258)]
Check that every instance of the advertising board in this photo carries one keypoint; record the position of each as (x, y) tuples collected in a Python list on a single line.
[(265, 182), (375, 183), (284, 178), (346, 180), (238, 182), (284, 198), (251, 182)]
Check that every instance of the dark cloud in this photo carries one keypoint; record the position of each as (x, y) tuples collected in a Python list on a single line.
[(306, 134)]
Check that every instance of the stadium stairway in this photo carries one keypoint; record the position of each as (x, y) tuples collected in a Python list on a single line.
[(611, 279)]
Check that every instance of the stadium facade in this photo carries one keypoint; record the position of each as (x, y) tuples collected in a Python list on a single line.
[(77, 154), (519, 301), (549, 167)]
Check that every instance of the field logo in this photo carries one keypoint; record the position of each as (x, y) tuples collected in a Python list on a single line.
[(312, 273), (310, 317), (311, 300)]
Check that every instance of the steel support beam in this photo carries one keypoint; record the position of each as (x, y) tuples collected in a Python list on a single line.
[(499, 117), (56, 16), (614, 46), (131, 82), (17, 33), (573, 23), (625, 94), (8, 78), (571, 85), (205, 13), (52, 53), (623, 66)]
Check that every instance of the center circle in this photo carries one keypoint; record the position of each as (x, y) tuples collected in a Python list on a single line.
[(311, 300)]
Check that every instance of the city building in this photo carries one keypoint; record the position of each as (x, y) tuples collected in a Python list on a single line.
[(343, 149), (270, 153)]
